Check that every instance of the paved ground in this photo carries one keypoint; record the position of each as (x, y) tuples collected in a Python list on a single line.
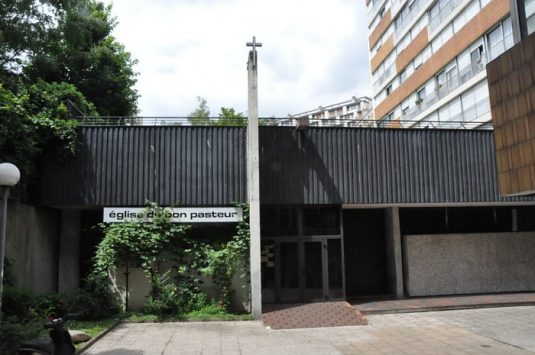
[(507, 330), (375, 306)]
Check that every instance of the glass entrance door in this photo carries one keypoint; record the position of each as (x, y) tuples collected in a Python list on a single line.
[(302, 269), (313, 271), (288, 272)]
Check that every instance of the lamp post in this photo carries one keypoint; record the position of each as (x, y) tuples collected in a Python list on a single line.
[(9, 177)]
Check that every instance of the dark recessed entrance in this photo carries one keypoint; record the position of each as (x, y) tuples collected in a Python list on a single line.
[(305, 261), (302, 269), (365, 252)]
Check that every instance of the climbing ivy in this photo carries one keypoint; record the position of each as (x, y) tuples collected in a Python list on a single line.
[(150, 243), (147, 244), (225, 259)]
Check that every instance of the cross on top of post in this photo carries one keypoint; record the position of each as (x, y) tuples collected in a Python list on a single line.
[(254, 44)]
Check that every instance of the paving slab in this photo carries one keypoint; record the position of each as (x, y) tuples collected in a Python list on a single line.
[(474, 331), (417, 304)]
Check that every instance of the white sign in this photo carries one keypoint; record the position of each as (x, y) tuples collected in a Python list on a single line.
[(176, 215)]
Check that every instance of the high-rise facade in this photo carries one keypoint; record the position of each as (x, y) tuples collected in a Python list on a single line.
[(428, 60), (355, 112)]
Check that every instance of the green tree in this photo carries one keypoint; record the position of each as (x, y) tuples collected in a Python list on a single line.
[(201, 115), (25, 28), (36, 118), (229, 117), (82, 52), (57, 60)]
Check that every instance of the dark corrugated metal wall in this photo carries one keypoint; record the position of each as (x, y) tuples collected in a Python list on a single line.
[(125, 166), (377, 166), (197, 166)]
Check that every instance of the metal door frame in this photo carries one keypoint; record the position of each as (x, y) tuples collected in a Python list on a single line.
[(301, 240)]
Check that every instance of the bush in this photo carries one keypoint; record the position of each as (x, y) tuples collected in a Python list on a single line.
[(170, 299), (93, 302), (13, 332), (18, 303), (23, 315)]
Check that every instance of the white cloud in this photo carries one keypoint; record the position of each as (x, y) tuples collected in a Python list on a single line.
[(314, 53)]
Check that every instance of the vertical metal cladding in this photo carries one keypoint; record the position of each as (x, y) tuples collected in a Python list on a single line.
[(196, 166), (126, 166), (377, 166)]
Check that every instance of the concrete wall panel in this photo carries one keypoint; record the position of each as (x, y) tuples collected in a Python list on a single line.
[(32, 246), (468, 263)]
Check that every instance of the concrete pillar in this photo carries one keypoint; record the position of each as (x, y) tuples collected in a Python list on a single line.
[(253, 179), (393, 252), (69, 251)]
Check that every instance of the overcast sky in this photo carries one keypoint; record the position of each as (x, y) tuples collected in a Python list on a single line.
[(314, 53)]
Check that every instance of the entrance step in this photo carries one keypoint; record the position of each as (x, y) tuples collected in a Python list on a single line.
[(311, 315)]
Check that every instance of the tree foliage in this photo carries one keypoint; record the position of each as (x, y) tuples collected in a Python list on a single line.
[(83, 52), (229, 117), (25, 28), (201, 115), (36, 118), (57, 60)]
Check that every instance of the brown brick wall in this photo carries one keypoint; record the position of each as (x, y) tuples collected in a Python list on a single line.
[(383, 52), (475, 28), (381, 28), (417, 45), (511, 80)]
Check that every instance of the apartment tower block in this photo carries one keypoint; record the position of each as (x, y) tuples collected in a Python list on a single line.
[(428, 60)]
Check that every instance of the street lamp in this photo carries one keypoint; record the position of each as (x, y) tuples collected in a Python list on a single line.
[(9, 177)]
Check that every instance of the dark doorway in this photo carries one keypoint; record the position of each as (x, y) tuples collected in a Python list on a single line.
[(302, 269), (365, 252)]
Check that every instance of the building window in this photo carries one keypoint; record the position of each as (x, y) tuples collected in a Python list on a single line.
[(440, 79), (475, 55), (388, 89), (385, 122), (420, 95), (402, 76), (527, 16), (500, 39)]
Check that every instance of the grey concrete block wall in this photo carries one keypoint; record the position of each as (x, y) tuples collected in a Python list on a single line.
[(32, 246), (468, 263)]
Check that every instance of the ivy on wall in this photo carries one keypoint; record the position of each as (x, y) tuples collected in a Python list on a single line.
[(150, 244)]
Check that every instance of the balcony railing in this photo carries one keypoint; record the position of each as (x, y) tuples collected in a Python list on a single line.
[(453, 83), (373, 11), (442, 14), (383, 77), (416, 7)]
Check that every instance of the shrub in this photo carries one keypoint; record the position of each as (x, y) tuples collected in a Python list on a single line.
[(13, 332), (171, 299), (93, 302), (18, 303)]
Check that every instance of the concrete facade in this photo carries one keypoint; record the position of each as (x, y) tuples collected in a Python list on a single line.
[(393, 252), (32, 246), (450, 264), (69, 251)]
